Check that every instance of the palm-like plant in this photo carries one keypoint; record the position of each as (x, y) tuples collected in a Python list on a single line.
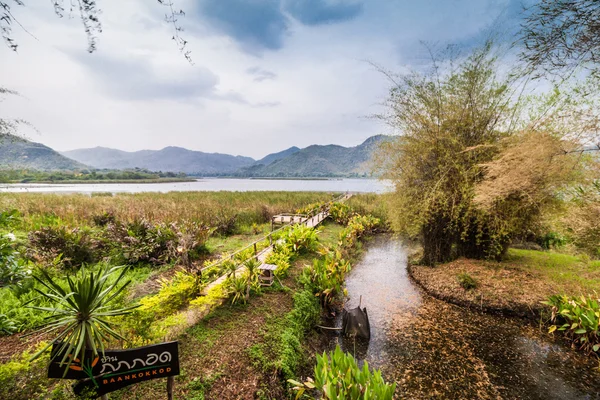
[(79, 313)]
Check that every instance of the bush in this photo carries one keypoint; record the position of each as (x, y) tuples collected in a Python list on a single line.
[(578, 317), (466, 281), (340, 213), (326, 276), (142, 242), (301, 238), (104, 219), (73, 245), (6, 325), (337, 376), (12, 268), (552, 240)]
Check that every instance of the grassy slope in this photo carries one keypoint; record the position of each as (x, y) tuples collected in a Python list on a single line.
[(518, 284)]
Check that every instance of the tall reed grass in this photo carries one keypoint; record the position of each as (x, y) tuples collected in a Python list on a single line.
[(209, 208)]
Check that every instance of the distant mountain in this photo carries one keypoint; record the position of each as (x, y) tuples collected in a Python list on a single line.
[(320, 161), (18, 153), (277, 156), (174, 159)]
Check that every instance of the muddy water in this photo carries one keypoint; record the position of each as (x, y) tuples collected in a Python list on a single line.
[(435, 350)]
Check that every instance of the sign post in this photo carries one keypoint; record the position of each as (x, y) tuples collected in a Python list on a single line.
[(116, 369)]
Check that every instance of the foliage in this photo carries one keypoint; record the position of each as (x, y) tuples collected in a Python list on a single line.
[(24, 379), (79, 314), (326, 276), (142, 242), (560, 36), (6, 325), (466, 281), (281, 259), (476, 165), (205, 208), (301, 238), (340, 212), (12, 268), (74, 246), (337, 377), (552, 240), (89, 13), (358, 226), (237, 289), (578, 317), (281, 351), (172, 296)]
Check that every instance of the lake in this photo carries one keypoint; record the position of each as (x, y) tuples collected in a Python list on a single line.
[(209, 185)]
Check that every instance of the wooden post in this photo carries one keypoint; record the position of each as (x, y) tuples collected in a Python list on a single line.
[(170, 384), (255, 249)]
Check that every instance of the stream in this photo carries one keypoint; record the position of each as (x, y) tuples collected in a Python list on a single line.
[(436, 350)]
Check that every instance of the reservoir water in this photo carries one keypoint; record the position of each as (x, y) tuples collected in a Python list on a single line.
[(210, 185), (435, 350)]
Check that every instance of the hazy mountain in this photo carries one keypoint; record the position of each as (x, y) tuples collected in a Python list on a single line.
[(18, 153), (277, 156), (174, 159), (320, 161)]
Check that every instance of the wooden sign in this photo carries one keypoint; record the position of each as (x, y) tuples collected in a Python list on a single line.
[(116, 369)]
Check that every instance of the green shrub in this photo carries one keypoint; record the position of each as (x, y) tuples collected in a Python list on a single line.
[(281, 352), (301, 238), (578, 317), (466, 281), (236, 288), (12, 268), (74, 246), (337, 376), (552, 240), (141, 241), (340, 213), (6, 325), (326, 276)]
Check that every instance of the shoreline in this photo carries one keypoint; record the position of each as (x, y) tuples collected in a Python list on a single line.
[(515, 310)]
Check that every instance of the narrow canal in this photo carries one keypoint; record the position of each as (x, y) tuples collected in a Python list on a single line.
[(436, 350)]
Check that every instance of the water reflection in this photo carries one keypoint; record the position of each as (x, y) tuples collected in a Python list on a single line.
[(436, 350)]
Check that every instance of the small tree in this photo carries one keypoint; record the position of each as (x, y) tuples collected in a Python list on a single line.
[(79, 318), (450, 123), (475, 166)]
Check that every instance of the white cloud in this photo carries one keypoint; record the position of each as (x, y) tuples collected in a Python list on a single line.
[(138, 92)]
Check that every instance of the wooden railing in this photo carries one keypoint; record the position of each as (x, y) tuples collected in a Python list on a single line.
[(321, 216)]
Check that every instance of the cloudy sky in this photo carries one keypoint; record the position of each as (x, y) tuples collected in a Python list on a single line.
[(267, 74)]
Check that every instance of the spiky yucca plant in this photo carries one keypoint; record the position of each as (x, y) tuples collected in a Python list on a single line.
[(80, 313)]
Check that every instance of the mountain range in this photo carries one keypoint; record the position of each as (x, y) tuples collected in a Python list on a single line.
[(19, 153), (312, 161)]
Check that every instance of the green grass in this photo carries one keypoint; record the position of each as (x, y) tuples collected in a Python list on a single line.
[(330, 234), (573, 273)]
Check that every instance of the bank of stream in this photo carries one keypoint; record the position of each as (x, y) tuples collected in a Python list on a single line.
[(436, 350)]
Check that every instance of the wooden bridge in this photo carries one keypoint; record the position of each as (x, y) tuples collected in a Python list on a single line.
[(311, 221)]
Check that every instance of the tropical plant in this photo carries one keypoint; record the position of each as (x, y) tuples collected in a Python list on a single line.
[(326, 276), (141, 241), (237, 289), (337, 377), (80, 313), (7, 326), (340, 212), (578, 317), (76, 246), (301, 238), (12, 269), (252, 276)]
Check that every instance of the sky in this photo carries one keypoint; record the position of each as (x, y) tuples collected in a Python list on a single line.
[(266, 74)]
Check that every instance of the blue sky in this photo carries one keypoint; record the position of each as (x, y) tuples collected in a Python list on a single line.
[(267, 74)]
